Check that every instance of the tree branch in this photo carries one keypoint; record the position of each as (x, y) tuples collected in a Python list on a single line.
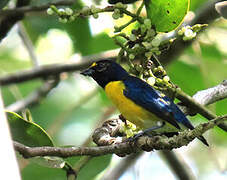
[(42, 72), (212, 95), (206, 97), (221, 8), (144, 142), (50, 70), (195, 106), (7, 22)]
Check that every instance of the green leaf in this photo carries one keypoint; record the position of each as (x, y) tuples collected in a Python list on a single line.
[(36, 172), (26, 132), (48, 161), (166, 15), (31, 134)]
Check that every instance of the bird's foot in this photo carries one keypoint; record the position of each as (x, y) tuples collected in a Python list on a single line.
[(148, 132)]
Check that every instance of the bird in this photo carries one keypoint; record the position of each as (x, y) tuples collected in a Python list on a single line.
[(137, 101)]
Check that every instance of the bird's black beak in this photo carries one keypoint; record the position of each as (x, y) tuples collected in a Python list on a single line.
[(87, 72)]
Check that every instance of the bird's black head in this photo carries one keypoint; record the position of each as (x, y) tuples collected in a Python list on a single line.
[(105, 71)]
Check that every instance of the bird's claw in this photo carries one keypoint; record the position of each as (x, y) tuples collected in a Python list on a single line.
[(136, 136)]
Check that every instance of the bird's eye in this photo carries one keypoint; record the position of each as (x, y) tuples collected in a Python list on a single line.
[(101, 67)]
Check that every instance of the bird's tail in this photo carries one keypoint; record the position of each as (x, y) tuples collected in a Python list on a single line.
[(203, 140)]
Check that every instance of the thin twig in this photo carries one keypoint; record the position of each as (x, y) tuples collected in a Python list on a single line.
[(28, 44), (33, 98), (151, 143)]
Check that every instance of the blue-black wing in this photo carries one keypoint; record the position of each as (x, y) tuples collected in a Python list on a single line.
[(144, 95)]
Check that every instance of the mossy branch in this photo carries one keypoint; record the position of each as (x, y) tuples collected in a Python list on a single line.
[(144, 143)]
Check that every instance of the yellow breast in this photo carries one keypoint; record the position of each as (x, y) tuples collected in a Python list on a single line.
[(131, 111)]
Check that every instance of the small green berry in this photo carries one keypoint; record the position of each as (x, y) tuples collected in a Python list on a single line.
[(151, 81), (160, 68), (188, 33), (148, 54), (166, 79), (71, 18), (117, 11), (62, 20), (131, 56), (147, 23), (157, 53), (50, 11), (143, 28), (147, 45), (154, 49), (69, 11), (139, 68), (156, 42), (150, 33), (181, 32), (137, 46), (85, 10), (96, 16), (61, 11), (132, 37), (93, 9), (115, 16), (121, 5)]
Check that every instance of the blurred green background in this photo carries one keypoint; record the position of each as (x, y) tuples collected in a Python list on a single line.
[(71, 111)]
